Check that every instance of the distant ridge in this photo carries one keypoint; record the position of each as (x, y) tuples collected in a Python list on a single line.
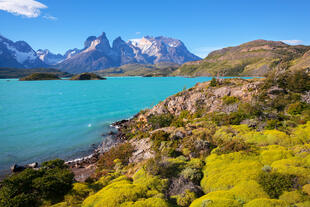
[(255, 58)]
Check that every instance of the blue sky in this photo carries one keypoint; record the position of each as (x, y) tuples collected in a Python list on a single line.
[(203, 25)]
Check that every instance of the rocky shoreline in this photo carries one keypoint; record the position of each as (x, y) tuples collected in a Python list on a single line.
[(83, 167)]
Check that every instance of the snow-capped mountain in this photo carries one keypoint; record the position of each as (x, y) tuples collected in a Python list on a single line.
[(18, 55), (98, 54), (163, 49), (50, 58)]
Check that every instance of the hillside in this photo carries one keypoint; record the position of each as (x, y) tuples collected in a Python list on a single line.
[(18, 73), (160, 69), (226, 142), (255, 58)]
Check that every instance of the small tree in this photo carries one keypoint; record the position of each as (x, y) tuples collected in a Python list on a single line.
[(213, 82)]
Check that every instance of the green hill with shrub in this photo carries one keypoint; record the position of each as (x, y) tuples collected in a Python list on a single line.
[(255, 58)]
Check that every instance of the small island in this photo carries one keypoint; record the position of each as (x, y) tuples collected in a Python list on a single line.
[(40, 76), (87, 76)]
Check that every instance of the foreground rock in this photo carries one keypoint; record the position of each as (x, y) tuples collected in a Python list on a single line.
[(40, 76), (19, 168), (87, 76)]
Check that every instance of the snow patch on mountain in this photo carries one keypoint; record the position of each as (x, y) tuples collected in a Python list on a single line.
[(21, 57)]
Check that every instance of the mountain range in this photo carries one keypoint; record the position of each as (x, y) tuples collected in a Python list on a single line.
[(18, 55), (97, 54), (159, 56)]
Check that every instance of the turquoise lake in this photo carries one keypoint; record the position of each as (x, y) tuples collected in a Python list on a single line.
[(41, 120)]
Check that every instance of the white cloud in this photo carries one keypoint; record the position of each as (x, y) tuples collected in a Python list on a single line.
[(28, 8), (50, 17), (204, 51), (137, 33), (292, 42)]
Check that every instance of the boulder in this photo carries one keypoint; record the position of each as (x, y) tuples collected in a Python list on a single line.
[(17, 168)]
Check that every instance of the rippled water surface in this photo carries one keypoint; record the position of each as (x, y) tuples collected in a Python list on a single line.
[(41, 120)]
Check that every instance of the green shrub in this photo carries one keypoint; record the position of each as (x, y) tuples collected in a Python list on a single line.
[(33, 187), (159, 121), (235, 118), (274, 184), (186, 198), (213, 82), (273, 124), (296, 81), (121, 152), (158, 137), (192, 174), (227, 100), (78, 193), (296, 108)]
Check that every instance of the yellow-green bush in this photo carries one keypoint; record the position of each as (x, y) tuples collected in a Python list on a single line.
[(292, 197), (264, 138), (264, 202), (122, 191), (306, 189), (153, 183), (301, 134), (206, 201), (248, 190), (303, 204), (78, 193), (115, 194), (293, 166), (149, 202), (186, 198), (241, 193), (273, 153), (223, 172)]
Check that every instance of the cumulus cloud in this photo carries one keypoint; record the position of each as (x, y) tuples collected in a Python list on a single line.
[(204, 51), (292, 42), (28, 8)]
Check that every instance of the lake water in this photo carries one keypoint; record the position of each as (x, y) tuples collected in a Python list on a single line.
[(41, 120)]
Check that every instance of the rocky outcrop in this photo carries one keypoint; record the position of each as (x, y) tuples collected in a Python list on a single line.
[(210, 98), (18, 168), (142, 150)]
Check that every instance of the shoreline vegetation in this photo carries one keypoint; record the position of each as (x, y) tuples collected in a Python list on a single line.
[(225, 142)]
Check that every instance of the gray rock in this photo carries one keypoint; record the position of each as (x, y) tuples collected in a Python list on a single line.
[(17, 168)]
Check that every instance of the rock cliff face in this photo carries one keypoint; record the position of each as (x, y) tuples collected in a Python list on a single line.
[(211, 98)]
